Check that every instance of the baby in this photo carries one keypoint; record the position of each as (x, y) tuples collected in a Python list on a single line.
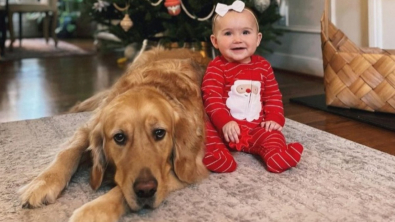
[(242, 98)]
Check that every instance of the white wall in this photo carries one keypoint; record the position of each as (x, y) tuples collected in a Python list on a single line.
[(351, 17), (388, 19), (300, 50)]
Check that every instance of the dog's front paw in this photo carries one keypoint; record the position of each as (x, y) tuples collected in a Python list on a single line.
[(43, 190), (91, 213), (108, 207)]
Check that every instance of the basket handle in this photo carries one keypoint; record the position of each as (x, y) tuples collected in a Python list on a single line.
[(326, 16)]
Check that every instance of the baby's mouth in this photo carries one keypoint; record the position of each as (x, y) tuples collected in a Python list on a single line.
[(238, 48)]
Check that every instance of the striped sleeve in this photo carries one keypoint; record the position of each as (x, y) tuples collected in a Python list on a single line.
[(272, 98), (213, 87)]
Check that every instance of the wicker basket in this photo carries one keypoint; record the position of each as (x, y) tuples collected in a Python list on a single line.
[(360, 78)]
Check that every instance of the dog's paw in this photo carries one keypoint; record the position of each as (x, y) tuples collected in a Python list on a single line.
[(108, 207), (43, 190), (91, 213)]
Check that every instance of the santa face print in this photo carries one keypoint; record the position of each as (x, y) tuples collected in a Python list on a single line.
[(244, 100)]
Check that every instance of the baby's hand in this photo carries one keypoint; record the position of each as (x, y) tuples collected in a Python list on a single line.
[(231, 132), (271, 125)]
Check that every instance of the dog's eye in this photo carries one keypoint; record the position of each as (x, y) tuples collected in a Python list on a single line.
[(120, 138), (159, 134)]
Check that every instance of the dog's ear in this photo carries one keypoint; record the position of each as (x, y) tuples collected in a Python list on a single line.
[(189, 151), (98, 156)]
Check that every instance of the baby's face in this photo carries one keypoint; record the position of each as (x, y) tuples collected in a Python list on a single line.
[(236, 36)]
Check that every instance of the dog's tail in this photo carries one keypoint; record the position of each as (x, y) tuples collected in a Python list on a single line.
[(91, 103)]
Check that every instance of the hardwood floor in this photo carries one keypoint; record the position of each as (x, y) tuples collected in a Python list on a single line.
[(34, 88)]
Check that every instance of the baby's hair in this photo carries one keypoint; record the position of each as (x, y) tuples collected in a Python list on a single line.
[(245, 8)]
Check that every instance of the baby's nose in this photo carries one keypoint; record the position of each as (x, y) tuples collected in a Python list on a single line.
[(237, 38)]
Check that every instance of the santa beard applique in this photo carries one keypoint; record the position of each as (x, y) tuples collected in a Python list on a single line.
[(244, 100)]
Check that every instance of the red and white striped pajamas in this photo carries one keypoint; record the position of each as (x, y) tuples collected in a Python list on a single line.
[(271, 146)]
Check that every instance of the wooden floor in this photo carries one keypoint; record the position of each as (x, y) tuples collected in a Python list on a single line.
[(34, 88)]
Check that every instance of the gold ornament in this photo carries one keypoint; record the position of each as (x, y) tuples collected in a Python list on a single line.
[(126, 23)]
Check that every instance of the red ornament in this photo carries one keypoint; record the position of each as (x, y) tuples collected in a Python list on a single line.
[(173, 7)]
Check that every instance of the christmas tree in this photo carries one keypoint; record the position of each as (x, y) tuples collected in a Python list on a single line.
[(174, 20)]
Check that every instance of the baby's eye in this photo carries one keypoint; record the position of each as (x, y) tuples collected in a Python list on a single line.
[(246, 32), (227, 33)]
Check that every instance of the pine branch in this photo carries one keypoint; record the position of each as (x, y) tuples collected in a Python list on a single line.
[(149, 21)]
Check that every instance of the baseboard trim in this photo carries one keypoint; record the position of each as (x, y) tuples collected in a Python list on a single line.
[(296, 63)]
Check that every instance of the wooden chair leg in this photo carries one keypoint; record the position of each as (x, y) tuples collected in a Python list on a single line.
[(54, 23), (45, 27), (3, 32), (20, 29), (11, 30)]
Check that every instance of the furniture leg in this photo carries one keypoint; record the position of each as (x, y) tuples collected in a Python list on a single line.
[(45, 27), (20, 29), (3, 32), (54, 23), (11, 30)]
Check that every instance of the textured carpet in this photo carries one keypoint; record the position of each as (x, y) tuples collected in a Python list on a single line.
[(384, 120), (337, 180), (38, 48)]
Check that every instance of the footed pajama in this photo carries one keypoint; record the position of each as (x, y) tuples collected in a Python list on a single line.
[(217, 157), (270, 146)]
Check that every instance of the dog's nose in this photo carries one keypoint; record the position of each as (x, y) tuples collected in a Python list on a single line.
[(145, 185), (145, 189)]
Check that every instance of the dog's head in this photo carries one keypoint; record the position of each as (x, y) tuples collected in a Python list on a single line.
[(153, 148)]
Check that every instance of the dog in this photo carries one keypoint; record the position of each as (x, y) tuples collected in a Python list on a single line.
[(149, 127)]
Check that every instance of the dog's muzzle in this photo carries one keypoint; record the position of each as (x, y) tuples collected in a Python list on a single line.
[(145, 188)]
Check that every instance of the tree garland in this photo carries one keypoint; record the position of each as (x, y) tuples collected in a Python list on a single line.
[(156, 4), (194, 17), (173, 20)]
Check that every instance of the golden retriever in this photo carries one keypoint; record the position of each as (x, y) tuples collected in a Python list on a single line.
[(149, 126)]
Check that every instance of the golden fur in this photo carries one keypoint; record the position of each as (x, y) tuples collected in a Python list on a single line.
[(149, 126)]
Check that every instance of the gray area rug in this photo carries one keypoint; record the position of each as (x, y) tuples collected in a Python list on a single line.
[(38, 48), (337, 180)]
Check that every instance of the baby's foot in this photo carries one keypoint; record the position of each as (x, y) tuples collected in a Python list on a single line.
[(280, 161), (220, 161)]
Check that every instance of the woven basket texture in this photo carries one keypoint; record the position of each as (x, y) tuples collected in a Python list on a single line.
[(354, 77)]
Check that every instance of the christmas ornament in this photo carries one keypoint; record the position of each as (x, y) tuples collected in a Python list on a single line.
[(173, 7), (131, 50), (126, 23), (261, 5), (175, 10), (100, 5)]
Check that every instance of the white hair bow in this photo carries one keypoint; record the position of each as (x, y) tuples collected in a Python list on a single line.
[(222, 9)]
